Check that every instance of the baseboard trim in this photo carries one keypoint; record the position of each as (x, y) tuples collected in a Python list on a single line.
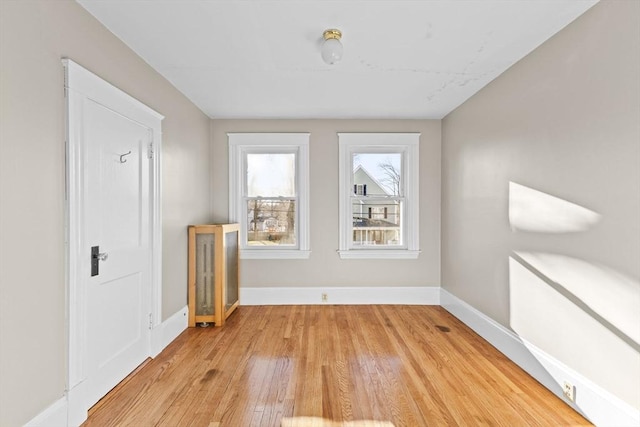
[(163, 334), (592, 401), (419, 295), (54, 416), (71, 410)]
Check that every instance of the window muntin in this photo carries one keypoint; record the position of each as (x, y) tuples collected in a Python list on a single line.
[(268, 193), (379, 195)]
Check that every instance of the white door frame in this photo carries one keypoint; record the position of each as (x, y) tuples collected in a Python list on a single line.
[(81, 84)]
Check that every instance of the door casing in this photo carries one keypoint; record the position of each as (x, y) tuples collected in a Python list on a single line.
[(81, 83)]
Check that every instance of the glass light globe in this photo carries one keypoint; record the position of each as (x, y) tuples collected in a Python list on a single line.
[(331, 51)]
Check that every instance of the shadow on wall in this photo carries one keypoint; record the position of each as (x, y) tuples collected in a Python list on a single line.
[(582, 313)]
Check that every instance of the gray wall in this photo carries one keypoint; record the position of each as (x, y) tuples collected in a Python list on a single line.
[(34, 36), (564, 121), (324, 267)]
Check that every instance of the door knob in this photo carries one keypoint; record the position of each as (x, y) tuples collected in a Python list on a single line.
[(102, 256)]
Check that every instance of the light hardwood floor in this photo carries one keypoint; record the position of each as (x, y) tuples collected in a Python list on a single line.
[(408, 365)]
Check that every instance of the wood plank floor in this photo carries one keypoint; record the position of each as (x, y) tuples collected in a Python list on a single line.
[(408, 365)]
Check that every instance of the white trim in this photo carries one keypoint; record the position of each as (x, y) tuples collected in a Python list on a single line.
[(274, 254), (408, 145), (54, 416), (592, 401), (156, 226), (163, 334), (71, 411), (77, 407), (239, 145), (418, 295), (379, 254), (74, 238), (81, 84), (93, 86)]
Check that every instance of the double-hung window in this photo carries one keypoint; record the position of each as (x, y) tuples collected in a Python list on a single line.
[(269, 193), (379, 195)]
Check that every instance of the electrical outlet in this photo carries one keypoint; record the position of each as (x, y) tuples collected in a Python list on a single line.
[(569, 391), (325, 297)]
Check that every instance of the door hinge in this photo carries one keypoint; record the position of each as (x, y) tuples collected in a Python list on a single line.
[(150, 151), (150, 321)]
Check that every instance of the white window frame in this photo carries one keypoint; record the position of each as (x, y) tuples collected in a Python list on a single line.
[(241, 144), (408, 145)]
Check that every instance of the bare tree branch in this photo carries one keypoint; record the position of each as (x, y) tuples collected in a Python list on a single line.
[(391, 178)]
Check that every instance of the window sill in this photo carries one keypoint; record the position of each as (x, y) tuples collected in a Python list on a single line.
[(378, 254), (274, 254)]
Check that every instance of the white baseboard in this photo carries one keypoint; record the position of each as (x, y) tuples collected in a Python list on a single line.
[(163, 334), (419, 295), (71, 410), (54, 416), (592, 401)]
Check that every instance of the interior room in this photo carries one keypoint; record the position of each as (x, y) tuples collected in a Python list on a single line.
[(511, 232)]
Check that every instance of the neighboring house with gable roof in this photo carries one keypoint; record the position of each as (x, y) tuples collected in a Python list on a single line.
[(375, 221)]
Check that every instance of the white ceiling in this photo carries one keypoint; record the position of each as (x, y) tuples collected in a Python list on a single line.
[(402, 59)]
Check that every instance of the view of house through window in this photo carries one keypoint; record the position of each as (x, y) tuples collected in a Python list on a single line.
[(376, 200), (379, 192), (271, 199)]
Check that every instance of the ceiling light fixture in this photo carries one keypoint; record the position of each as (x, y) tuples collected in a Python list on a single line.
[(331, 48)]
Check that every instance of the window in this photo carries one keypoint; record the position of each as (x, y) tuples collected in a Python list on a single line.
[(379, 195), (269, 193)]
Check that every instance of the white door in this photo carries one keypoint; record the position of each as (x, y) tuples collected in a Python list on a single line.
[(113, 223), (118, 223)]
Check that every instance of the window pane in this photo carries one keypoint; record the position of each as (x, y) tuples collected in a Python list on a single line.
[(377, 174), (271, 175), (271, 222), (376, 222)]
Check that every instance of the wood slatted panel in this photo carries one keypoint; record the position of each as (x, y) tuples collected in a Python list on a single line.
[(408, 365)]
